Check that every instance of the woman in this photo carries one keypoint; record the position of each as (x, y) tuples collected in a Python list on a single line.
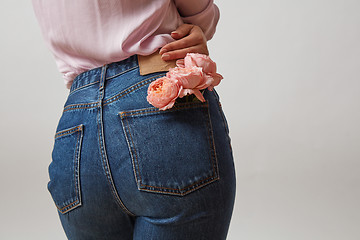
[(121, 168)]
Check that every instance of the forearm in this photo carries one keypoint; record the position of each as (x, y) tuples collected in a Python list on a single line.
[(203, 13)]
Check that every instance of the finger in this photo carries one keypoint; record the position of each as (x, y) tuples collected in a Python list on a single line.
[(194, 38), (182, 31), (181, 53), (185, 42), (179, 44)]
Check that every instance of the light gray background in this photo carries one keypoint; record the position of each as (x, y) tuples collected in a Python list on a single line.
[(291, 94)]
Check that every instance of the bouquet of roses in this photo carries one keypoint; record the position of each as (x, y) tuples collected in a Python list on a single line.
[(193, 73)]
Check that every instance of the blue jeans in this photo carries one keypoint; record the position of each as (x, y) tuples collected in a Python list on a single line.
[(122, 169)]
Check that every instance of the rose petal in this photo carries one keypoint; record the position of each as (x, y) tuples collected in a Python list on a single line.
[(200, 60), (163, 92), (187, 77), (180, 63)]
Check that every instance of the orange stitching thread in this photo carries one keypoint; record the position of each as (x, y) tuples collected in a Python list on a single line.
[(176, 189), (106, 168), (123, 72), (71, 208), (212, 143), (156, 110), (112, 99), (79, 108), (131, 154), (82, 87), (68, 131), (213, 177), (129, 89), (61, 209), (76, 181), (80, 104), (108, 78), (136, 158), (108, 100), (180, 193)]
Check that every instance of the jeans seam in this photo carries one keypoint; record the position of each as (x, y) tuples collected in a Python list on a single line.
[(77, 106), (76, 202), (107, 168), (123, 72), (129, 90), (108, 78), (111, 99), (83, 86), (156, 110), (67, 131), (212, 142), (198, 183), (136, 169), (77, 164), (221, 112), (102, 147)]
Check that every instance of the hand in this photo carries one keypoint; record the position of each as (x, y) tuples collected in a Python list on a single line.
[(189, 39)]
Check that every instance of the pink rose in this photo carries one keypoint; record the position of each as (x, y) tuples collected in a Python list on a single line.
[(193, 73), (192, 80), (188, 77), (200, 60), (180, 63), (208, 67), (163, 92), (215, 79)]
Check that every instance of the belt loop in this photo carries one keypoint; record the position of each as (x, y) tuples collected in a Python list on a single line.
[(102, 83)]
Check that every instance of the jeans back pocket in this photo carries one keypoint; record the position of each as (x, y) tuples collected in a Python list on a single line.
[(172, 151), (64, 184)]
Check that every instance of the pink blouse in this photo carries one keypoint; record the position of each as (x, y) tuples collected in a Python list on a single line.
[(85, 34)]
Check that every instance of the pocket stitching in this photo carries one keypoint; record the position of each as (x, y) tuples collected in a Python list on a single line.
[(153, 110), (76, 160), (68, 131), (213, 149), (136, 172), (176, 191)]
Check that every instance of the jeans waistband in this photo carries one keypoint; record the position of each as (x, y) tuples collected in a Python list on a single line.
[(112, 70)]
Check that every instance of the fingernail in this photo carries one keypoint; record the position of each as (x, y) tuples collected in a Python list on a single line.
[(174, 34), (163, 50), (165, 56)]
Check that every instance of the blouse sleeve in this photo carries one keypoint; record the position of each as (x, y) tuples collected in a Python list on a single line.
[(203, 13)]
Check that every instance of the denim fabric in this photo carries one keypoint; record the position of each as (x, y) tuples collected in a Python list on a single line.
[(122, 169)]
